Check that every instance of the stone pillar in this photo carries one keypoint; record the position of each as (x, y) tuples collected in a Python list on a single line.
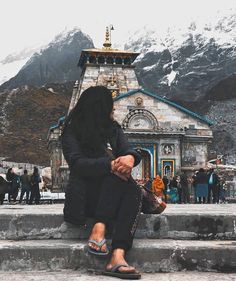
[(74, 95), (54, 147)]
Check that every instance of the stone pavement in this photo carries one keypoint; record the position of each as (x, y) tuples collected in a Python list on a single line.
[(82, 276), (223, 209)]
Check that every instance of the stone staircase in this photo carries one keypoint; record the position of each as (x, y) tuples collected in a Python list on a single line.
[(184, 237)]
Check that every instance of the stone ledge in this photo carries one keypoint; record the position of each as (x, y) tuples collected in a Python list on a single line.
[(146, 255), (177, 222)]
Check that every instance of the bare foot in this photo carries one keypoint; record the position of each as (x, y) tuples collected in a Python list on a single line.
[(118, 257), (98, 234)]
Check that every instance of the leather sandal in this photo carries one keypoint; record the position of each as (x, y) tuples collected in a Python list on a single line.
[(115, 272), (98, 252)]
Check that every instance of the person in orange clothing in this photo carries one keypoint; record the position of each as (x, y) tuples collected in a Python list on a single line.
[(158, 186)]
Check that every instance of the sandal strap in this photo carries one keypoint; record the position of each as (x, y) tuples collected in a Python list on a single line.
[(117, 266), (99, 244)]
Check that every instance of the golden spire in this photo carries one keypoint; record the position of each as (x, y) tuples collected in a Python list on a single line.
[(107, 43)]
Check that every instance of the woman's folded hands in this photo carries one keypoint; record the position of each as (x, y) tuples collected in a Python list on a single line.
[(122, 166)]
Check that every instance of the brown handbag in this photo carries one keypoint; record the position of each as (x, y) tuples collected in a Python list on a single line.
[(151, 203)]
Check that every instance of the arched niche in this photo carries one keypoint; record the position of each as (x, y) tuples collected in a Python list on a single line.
[(140, 119)]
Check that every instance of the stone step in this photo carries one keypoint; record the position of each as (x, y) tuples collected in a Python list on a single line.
[(72, 275), (177, 222), (149, 255)]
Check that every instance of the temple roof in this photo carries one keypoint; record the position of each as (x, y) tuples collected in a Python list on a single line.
[(171, 103), (106, 52), (59, 123), (109, 51)]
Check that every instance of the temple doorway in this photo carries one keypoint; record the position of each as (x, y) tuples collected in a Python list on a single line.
[(143, 170)]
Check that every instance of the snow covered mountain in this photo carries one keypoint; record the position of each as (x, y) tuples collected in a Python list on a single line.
[(56, 62), (186, 63), (11, 64)]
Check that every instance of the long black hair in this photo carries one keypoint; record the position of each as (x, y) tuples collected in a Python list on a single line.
[(90, 119)]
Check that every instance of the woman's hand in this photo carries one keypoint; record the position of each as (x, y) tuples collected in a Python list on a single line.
[(123, 165), (124, 162)]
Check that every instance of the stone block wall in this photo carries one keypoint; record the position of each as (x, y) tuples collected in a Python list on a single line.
[(194, 154)]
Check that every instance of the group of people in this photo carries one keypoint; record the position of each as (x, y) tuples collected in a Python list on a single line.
[(207, 187), (174, 190), (27, 184)]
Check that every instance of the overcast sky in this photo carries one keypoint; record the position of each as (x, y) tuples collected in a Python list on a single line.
[(25, 23)]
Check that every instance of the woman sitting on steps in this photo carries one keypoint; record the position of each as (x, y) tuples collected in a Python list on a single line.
[(99, 184)]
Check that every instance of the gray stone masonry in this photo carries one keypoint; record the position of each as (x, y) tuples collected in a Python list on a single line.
[(155, 255), (190, 221)]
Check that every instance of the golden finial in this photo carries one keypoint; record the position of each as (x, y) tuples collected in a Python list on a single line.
[(114, 94), (107, 43)]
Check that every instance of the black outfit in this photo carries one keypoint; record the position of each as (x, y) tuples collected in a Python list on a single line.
[(213, 188), (14, 186), (4, 188), (185, 191), (25, 187), (93, 191), (35, 194), (180, 191)]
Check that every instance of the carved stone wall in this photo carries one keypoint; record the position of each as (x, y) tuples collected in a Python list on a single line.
[(168, 117), (194, 154), (116, 78)]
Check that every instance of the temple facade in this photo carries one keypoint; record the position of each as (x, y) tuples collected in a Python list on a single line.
[(169, 137)]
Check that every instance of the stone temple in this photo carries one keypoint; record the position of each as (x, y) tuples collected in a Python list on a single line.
[(170, 137)]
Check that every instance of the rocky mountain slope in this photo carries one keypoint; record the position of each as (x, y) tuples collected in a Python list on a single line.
[(219, 105), (56, 63), (26, 114)]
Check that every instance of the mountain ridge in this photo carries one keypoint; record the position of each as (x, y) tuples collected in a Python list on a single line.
[(199, 74), (56, 63)]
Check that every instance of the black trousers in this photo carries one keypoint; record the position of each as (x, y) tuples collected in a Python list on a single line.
[(23, 191), (180, 195), (12, 194), (116, 202), (185, 194), (2, 196), (34, 195), (213, 191)]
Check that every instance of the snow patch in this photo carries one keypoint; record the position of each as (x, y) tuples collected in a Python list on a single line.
[(148, 68), (8, 70), (171, 77), (192, 73)]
